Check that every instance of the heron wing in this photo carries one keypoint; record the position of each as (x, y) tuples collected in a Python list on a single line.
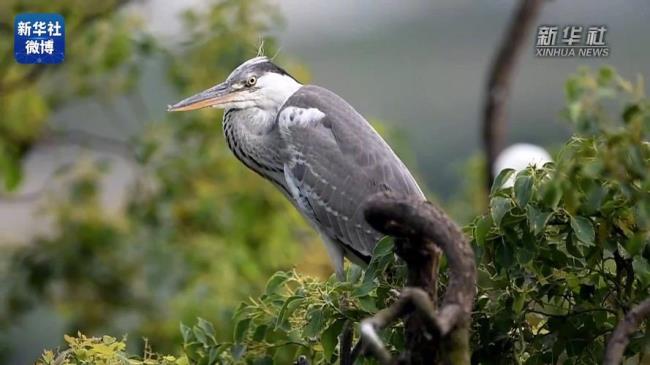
[(333, 161)]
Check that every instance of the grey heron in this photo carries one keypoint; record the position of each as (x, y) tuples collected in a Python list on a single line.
[(311, 144)]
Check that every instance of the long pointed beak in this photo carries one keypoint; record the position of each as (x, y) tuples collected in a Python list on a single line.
[(214, 96)]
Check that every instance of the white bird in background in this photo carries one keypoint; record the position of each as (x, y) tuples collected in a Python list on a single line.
[(518, 157)]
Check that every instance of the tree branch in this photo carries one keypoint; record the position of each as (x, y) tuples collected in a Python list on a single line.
[(422, 221), (499, 82), (346, 344), (620, 338), (420, 227)]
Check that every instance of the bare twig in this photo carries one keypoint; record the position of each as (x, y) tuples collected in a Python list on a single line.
[(439, 323), (500, 77), (372, 342), (621, 336)]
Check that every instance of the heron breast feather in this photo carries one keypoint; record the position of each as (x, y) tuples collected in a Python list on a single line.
[(295, 116)]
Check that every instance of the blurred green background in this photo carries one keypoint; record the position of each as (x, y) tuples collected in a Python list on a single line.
[(116, 217)]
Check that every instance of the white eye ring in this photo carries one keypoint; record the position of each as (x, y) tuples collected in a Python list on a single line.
[(251, 81)]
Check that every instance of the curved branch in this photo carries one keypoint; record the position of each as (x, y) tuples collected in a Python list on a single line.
[(621, 336), (439, 323), (372, 343), (420, 227), (421, 221)]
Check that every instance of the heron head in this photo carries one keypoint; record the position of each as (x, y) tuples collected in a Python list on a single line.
[(256, 83)]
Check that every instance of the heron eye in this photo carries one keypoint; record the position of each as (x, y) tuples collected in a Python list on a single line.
[(251, 81)]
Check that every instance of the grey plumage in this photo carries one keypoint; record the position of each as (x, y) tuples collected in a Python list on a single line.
[(337, 162), (323, 155)]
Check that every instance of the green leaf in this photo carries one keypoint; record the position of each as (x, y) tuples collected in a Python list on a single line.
[(572, 89), (499, 206), (207, 327), (193, 350), (583, 229), (630, 112), (523, 188), (524, 255), (635, 244), (501, 179), (240, 329), (384, 247), (374, 270), (287, 309), (518, 303), (260, 333), (641, 269), (238, 350), (571, 246), (329, 338), (266, 360), (314, 322), (382, 256), (186, 332), (605, 75), (537, 219), (353, 273), (212, 356), (364, 289), (368, 304), (275, 282), (200, 336), (504, 256), (482, 229), (552, 195), (10, 169)]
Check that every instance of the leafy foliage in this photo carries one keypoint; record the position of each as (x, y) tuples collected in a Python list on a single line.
[(105, 350), (296, 315), (565, 252), (299, 315)]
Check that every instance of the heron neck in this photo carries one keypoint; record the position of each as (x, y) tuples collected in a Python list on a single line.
[(256, 144), (255, 120)]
